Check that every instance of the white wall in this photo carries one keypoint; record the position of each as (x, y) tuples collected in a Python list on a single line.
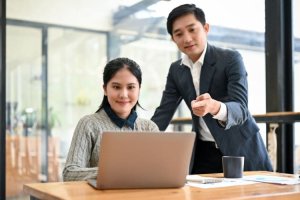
[(79, 13)]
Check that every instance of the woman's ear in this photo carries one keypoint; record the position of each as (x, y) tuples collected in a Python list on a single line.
[(104, 89)]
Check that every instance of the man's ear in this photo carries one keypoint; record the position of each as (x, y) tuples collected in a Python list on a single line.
[(206, 27)]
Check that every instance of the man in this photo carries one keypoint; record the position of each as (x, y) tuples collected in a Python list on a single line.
[(213, 83)]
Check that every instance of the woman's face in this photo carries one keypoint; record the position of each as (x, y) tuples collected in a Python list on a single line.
[(122, 92)]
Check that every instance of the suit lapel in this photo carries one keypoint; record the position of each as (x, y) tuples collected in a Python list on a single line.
[(208, 70), (186, 81), (207, 75)]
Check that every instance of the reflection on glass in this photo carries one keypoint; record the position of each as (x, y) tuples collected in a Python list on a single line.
[(23, 108), (154, 57), (75, 63)]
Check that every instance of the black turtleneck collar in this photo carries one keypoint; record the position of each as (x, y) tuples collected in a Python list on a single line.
[(119, 121)]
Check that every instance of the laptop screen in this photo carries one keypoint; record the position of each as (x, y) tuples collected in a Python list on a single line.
[(144, 159)]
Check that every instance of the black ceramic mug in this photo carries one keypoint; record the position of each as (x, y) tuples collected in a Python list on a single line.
[(233, 166)]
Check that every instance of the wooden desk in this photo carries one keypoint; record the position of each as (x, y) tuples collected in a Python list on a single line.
[(81, 191)]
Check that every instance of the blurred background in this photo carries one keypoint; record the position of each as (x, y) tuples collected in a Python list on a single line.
[(56, 51)]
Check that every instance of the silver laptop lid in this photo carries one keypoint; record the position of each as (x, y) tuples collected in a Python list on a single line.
[(144, 159)]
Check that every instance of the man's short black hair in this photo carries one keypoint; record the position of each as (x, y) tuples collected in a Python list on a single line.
[(184, 10)]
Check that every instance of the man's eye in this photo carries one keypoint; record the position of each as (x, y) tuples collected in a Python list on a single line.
[(131, 87)]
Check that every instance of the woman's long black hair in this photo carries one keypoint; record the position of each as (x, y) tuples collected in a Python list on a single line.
[(112, 67)]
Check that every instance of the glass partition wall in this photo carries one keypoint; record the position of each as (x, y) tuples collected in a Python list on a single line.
[(154, 61), (75, 63), (23, 107), (74, 72)]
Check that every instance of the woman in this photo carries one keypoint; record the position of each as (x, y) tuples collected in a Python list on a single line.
[(122, 80)]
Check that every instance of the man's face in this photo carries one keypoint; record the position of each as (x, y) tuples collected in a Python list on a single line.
[(190, 36)]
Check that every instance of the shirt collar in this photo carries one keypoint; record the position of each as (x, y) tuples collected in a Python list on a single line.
[(188, 62), (119, 121)]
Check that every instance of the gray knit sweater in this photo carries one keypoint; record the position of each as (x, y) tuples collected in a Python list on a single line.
[(83, 156)]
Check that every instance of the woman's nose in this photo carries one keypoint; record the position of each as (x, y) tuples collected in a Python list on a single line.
[(123, 93)]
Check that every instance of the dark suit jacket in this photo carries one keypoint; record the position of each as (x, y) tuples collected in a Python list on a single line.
[(224, 77)]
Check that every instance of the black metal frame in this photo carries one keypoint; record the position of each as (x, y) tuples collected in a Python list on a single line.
[(279, 76), (45, 127), (2, 97)]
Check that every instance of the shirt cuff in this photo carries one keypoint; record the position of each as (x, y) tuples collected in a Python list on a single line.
[(222, 114)]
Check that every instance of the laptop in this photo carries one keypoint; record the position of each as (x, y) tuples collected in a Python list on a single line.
[(143, 160)]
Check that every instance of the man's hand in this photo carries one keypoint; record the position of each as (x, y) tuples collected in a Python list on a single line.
[(205, 104)]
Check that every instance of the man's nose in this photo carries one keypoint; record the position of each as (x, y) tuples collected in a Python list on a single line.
[(187, 38)]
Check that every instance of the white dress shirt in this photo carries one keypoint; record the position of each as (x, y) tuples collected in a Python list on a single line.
[(195, 68)]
